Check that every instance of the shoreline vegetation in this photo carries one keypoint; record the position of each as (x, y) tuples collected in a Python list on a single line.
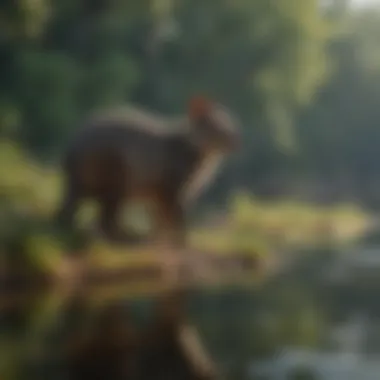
[(249, 236)]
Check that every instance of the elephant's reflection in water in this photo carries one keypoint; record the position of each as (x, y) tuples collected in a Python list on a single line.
[(168, 348)]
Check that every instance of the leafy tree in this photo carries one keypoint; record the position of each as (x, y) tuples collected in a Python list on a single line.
[(264, 58)]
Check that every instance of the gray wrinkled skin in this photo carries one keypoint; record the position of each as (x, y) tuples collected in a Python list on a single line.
[(130, 154)]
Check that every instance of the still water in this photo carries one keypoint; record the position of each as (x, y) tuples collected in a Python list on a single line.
[(282, 330), (35, 330)]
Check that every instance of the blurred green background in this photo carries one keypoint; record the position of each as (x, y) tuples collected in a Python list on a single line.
[(304, 78)]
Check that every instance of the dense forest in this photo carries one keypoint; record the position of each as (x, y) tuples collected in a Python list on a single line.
[(303, 77)]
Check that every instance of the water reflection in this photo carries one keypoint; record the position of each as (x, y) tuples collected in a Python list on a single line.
[(117, 335), (241, 332), (59, 335), (105, 351)]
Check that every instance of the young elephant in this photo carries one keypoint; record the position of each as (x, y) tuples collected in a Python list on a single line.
[(129, 154)]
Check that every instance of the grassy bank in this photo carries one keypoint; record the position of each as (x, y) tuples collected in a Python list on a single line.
[(29, 194)]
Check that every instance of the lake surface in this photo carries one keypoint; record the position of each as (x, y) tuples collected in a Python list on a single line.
[(36, 329), (276, 326)]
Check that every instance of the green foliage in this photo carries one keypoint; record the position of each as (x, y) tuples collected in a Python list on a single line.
[(29, 194), (23, 18), (267, 59), (343, 122), (27, 248), (263, 58), (296, 223), (302, 80), (303, 373), (24, 183)]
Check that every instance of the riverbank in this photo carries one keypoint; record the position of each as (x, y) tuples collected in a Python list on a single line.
[(140, 266)]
